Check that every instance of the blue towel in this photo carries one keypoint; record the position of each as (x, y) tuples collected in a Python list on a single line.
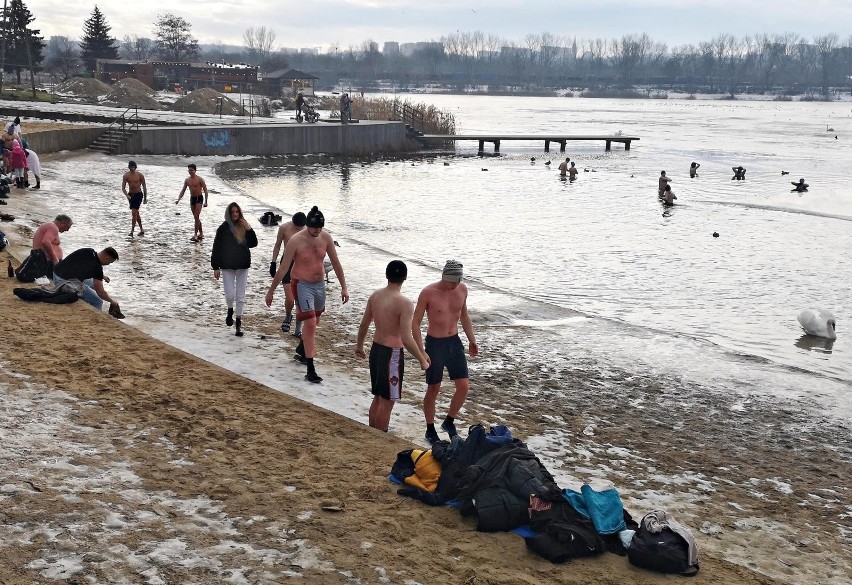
[(604, 509)]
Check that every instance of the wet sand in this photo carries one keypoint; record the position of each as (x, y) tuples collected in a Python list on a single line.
[(129, 460)]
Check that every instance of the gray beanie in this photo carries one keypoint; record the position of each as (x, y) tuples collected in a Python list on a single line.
[(452, 271)]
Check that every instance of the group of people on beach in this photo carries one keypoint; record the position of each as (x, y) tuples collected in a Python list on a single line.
[(397, 321), (19, 160), (305, 244)]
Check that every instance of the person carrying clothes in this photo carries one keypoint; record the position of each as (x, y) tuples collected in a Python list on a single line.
[(87, 266), (231, 258)]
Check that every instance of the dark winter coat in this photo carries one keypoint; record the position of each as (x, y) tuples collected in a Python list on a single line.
[(227, 253)]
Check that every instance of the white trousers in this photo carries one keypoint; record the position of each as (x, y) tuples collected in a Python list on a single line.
[(234, 282)]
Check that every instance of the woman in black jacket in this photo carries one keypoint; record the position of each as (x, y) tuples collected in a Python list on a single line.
[(232, 258)]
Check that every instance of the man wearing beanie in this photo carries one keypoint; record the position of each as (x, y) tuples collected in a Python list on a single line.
[(285, 232), (303, 257), (391, 311), (445, 304)]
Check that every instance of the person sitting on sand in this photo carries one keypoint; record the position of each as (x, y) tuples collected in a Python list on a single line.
[(87, 266), (46, 252)]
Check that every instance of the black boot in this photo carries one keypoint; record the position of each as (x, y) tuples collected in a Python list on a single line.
[(312, 376), (300, 353), (229, 320), (239, 327)]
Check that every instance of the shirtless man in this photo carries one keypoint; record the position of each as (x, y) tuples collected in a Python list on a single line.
[(46, 238), (445, 304), (563, 167), (45, 244), (285, 232), (391, 312), (134, 189), (196, 200), (572, 170), (306, 251), (664, 181), (668, 196)]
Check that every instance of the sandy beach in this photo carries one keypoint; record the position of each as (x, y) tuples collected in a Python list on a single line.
[(131, 461)]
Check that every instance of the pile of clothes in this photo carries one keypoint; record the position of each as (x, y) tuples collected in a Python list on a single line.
[(499, 481)]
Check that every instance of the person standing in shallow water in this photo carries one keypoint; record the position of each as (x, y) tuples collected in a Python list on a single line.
[(391, 311), (231, 258), (445, 304), (196, 186), (305, 251), (136, 191)]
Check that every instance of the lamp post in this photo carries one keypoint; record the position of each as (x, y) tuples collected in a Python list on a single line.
[(3, 50)]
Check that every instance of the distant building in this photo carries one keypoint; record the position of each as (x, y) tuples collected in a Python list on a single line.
[(289, 82), (373, 47), (408, 49), (168, 74), (390, 48)]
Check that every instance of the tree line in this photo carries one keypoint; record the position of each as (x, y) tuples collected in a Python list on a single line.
[(463, 60)]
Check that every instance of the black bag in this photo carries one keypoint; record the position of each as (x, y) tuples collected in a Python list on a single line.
[(34, 266), (664, 552), (3, 241), (563, 533), (59, 296)]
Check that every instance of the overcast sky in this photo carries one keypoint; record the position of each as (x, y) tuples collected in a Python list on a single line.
[(321, 23)]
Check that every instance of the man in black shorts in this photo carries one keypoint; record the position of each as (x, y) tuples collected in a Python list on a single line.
[(196, 186), (445, 304), (136, 192), (391, 312)]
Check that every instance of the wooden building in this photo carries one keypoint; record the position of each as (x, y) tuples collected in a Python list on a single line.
[(188, 76)]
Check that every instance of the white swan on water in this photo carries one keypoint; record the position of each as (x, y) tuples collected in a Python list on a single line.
[(818, 322)]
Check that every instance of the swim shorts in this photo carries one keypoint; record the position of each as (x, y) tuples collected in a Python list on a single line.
[(287, 276), (135, 200), (386, 369), (445, 352), (196, 200), (310, 298)]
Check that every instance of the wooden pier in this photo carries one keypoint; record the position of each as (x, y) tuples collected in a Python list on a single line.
[(496, 139)]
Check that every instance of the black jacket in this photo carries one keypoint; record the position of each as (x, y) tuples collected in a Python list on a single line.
[(227, 253)]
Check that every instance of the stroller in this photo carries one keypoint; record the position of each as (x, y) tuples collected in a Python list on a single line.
[(309, 114)]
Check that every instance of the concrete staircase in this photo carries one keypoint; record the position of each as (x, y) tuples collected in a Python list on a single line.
[(112, 141), (119, 131)]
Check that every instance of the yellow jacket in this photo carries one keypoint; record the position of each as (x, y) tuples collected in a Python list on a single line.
[(427, 471)]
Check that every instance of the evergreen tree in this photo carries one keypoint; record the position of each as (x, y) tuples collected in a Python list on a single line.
[(96, 43), (20, 39), (174, 41)]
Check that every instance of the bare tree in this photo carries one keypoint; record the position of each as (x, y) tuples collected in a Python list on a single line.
[(63, 57), (258, 43), (629, 54), (826, 57), (136, 48)]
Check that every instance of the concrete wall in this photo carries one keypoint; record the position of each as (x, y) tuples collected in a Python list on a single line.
[(56, 140), (267, 139)]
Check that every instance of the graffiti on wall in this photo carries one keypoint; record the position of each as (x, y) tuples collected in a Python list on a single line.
[(216, 139)]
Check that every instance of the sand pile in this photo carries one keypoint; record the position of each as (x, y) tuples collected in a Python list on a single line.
[(134, 84), (128, 97), (83, 87), (204, 100)]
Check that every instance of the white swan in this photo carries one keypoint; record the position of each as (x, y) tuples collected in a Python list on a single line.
[(818, 322)]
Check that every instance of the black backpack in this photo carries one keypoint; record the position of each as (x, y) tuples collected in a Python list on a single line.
[(664, 552), (34, 266)]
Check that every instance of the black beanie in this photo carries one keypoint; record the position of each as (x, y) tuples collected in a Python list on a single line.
[(299, 219), (315, 218)]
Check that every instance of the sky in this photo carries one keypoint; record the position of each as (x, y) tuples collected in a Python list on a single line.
[(345, 23)]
